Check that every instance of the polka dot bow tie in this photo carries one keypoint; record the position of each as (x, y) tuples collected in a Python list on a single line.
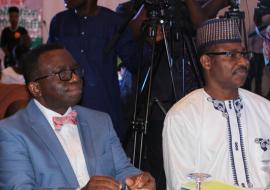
[(70, 118)]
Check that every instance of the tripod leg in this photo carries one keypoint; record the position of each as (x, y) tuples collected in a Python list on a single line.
[(191, 50), (170, 61), (140, 125)]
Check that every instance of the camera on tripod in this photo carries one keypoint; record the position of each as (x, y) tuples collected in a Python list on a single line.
[(173, 14), (234, 10), (234, 4), (160, 9)]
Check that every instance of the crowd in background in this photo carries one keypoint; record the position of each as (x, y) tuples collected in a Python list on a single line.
[(15, 42)]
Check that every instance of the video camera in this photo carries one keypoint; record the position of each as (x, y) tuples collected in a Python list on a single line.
[(173, 13), (161, 9), (234, 4)]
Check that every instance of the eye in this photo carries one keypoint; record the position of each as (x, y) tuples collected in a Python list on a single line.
[(236, 55), (65, 75), (231, 54)]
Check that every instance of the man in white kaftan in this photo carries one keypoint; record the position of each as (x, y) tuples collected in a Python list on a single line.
[(226, 139), (221, 129)]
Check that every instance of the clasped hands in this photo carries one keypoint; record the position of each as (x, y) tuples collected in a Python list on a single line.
[(143, 181)]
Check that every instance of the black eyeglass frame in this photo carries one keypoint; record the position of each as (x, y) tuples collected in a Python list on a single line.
[(232, 54), (77, 70)]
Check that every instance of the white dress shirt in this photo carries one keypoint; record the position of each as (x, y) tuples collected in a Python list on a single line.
[(70, 140)]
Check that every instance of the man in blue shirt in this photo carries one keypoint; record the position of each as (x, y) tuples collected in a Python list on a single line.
[(85, 29)]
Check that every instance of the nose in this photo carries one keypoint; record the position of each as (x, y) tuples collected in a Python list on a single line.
[(75, 77)]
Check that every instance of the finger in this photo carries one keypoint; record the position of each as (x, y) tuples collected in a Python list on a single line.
[(142, 180), (130, 181), (145, 181), (134, 181)]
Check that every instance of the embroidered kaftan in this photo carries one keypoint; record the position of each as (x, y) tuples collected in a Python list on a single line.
[(227, 139)]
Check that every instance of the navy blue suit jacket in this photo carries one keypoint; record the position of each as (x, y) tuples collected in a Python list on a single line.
[(31, 157)]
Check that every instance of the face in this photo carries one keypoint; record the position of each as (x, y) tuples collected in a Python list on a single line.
[(14, 18), (225, 72), (51, 92)]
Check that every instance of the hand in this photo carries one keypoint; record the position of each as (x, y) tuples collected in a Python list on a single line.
[(102, 183), (142, 181)]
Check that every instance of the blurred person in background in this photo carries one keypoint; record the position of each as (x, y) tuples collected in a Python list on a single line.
[(14, 94), (11, 36), (266, 52), (13, 74)]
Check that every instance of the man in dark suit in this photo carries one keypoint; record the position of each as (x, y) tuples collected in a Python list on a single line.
[(53, 143)]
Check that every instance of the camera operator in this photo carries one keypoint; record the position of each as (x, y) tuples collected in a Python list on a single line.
[(255, 42), (258, 44), (266, 49), (266, 53), (262, 21), (199, 10), (190, 14)]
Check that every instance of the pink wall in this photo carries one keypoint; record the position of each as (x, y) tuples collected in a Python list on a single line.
[(50, 8), (112, 4), (33, 4)]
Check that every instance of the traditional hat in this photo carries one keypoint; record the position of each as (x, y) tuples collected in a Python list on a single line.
[(218, 30)]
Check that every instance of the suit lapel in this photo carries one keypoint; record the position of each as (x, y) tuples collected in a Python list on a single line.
[(42, 128), (86, 141)]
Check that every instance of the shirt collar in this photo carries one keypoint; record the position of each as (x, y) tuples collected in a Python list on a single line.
[(235, 99), (49, 114)]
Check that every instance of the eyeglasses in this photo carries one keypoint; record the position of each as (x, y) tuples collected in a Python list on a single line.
[(234, 54), (64, 75)]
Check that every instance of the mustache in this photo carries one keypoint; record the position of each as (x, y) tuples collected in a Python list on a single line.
[(241, 68)]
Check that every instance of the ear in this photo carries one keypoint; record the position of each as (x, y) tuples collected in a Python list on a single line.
[(206, 62), (34, 89)]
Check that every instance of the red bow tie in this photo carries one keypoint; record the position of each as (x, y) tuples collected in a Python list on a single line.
[(70, 118)]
